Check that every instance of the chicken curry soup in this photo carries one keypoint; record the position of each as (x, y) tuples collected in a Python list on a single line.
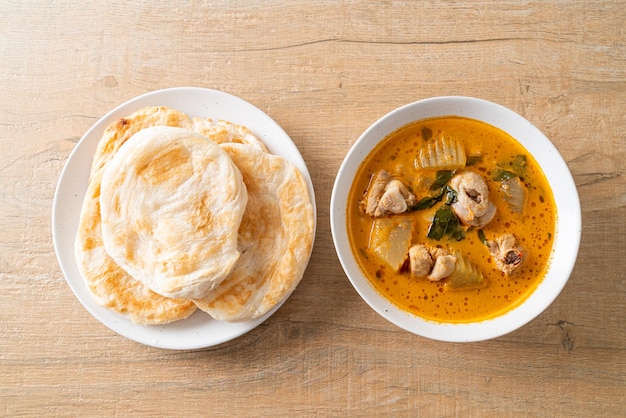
[(452, 220)]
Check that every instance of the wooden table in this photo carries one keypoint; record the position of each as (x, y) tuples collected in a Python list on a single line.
[(324, 71)]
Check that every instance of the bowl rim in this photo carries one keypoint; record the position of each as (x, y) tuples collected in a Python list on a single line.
[(567, 228)]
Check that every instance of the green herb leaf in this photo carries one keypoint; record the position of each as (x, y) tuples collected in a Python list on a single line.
[(518, 169), (445, 223), (430, 201), (440, 223), (473, 160), (439, 194), (426, 203), (426, 133), (457, 233), (451, 195), (442, 177), (519, 165), (503, 175), (482, 237)]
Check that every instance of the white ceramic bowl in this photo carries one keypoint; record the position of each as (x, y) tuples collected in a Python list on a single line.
[(568, 223)]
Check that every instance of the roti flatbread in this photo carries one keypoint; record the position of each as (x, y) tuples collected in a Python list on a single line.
[(171, 204), (121, 130), (275, 237), (109, 284), (223, 131)]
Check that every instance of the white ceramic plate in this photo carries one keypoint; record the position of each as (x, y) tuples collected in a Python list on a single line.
[(568, 225), (199, 330)]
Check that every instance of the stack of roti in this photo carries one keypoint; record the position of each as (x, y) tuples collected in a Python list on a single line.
[(184, 213)]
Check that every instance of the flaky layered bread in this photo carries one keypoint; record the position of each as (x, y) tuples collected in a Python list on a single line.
[(223, 131), (117, 133), (109, 284), (171, 204), (275, 237)]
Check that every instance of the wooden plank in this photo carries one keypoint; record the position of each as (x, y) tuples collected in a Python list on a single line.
[(324, 71)]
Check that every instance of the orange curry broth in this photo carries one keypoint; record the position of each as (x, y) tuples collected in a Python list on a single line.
[(534, 229)]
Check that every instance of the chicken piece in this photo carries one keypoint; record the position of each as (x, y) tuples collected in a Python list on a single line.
[(472, 204), (434, 263), (420, 260), (438, 252), (507, 255), (393, 200), (375, 192), (387, 195), (444, 267)]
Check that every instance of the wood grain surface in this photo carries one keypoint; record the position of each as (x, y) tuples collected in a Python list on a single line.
[(324, 71)]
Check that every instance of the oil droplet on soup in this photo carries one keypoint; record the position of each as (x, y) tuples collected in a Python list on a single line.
[(495, 156)]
